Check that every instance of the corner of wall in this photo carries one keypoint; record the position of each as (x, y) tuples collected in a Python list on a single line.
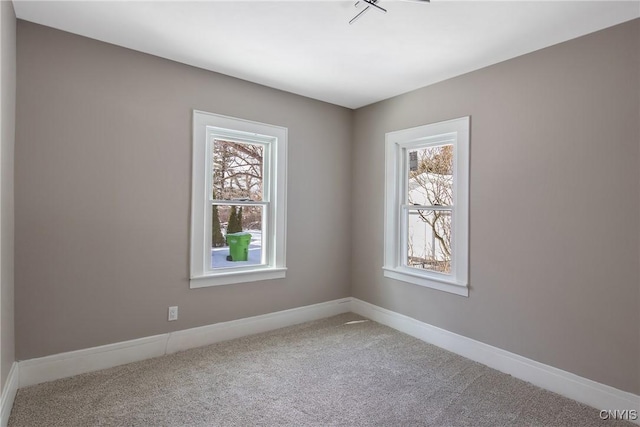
[(7, 133), (352, 219)]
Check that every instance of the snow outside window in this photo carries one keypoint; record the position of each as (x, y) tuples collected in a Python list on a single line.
[(427, 205), (238, 201)]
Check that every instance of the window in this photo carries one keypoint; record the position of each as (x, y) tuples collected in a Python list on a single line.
[(238, 202), (427, 205)]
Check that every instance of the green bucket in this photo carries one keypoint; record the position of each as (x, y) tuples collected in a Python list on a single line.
[(239, 245)]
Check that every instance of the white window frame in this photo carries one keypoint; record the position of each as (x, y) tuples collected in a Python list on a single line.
[(206, 127), (455, 132)]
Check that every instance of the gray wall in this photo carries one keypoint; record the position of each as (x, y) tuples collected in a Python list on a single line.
[(554, 205), (103, 183), (103, 164), (7, 133)]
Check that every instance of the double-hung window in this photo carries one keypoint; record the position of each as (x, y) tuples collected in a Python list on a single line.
[(427, 205), (238, 201)]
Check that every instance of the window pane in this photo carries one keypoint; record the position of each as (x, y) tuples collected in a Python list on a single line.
[(237, 170), (429, 240), (236, 251), (431, 176)]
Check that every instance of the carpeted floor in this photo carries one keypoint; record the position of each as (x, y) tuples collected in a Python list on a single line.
[(340, 371)]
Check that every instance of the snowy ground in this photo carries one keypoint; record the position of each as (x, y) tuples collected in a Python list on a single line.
[(219, 255)]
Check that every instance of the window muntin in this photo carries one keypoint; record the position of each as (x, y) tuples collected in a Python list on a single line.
[(239, 185), (426, 205)]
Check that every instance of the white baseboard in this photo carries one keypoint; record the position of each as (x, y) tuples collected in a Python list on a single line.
[(210, 334), (583, 390), (9, 394), (63, 365), (49, 368)]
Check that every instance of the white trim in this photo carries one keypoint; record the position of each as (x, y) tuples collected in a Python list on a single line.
[(431, 282), (231, 277), (63, 365), (35, 371), (455, 132), (210, 334), (9, 391), (274, 138), (578, 388)]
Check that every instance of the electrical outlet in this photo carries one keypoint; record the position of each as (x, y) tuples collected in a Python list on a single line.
[(173, 313)]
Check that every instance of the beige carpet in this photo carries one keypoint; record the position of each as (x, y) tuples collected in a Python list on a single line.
[(332, 372)]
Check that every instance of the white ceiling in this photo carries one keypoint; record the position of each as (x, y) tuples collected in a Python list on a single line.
[(308, 48)]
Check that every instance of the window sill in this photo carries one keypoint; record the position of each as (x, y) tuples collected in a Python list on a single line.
[(231, 277), (416, 278)]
